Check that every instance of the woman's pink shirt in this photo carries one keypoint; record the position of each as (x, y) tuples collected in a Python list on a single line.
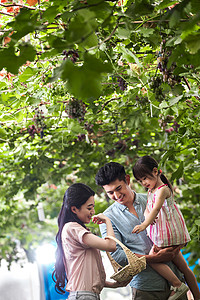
[(84, 267)]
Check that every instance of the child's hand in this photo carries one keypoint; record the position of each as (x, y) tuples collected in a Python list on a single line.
[(99, 219), (154, 221), (138, 228)]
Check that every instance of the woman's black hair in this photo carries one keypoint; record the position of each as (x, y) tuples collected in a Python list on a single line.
[(76, 195), (144, 166)]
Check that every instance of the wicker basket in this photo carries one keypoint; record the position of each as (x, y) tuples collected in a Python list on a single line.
[(135, 265)]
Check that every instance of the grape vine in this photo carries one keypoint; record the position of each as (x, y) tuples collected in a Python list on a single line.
[(167, 72)]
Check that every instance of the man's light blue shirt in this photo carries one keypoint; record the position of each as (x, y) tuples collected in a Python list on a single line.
[(123, 223)]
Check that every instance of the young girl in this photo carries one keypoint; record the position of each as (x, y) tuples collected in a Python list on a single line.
[(165, 225), (78, 259)]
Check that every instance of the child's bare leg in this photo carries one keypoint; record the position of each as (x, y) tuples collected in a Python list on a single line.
[(189, 295), (165, 271), (181, 264)]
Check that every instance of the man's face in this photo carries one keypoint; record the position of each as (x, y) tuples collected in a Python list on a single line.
[(120, 191)]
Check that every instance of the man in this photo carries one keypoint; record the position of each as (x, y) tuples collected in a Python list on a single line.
[(125, 213)]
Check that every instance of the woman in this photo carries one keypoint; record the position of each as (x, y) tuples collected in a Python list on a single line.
[(78, 259)]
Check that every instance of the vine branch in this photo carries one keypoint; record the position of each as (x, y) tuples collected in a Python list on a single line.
[(18, 5)]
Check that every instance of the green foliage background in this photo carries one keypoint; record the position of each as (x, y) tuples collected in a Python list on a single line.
[(60, 74)]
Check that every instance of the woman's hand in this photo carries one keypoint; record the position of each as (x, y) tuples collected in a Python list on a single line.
[(100, 218), (117, 284)]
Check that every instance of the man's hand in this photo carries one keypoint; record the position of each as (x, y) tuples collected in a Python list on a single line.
[(161, 255)]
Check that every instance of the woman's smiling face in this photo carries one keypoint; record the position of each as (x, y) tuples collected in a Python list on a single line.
[(86, 211)]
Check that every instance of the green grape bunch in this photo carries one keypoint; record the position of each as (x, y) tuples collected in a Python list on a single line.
[(75, 109), (156, 85)]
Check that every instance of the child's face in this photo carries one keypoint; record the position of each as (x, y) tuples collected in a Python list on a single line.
[(148, 181), (86, 211)]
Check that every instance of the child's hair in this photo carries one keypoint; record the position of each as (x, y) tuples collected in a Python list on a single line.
[(109, 173), (76, 195), (144, 166)]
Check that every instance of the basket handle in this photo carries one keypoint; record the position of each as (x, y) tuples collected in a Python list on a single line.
[(114, 264), (129, 254), (126, 249)]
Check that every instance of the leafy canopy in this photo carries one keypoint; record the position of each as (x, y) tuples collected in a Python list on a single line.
[(86, 82)]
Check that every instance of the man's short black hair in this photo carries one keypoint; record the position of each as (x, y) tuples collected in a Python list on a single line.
[(109, 173)]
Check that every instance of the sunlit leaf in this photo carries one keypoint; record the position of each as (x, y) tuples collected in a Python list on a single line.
[(29, 72), (179, 172), (192, 43)]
